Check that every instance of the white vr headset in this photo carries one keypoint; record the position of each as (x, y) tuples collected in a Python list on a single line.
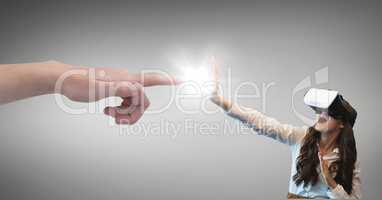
[(321, 100)]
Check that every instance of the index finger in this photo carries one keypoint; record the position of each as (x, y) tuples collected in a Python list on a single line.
[(153, 79)]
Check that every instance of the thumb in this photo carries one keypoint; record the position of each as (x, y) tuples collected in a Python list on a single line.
[(123, 89)]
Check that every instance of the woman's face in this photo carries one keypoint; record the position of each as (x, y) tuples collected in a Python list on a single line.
[(326, 123)]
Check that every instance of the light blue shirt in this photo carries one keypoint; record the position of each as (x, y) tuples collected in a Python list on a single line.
[(293, 137)]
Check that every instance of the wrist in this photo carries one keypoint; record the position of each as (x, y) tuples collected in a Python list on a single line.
[(44, 75), (220, 101)]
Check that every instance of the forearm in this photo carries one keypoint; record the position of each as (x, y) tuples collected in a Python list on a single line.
[(339, 193), (261, 123), (20, 81)]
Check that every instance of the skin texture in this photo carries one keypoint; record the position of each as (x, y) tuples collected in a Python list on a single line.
[(329, 127), (81, 84)]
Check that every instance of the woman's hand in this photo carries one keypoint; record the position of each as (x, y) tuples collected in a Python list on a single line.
[(324, 166), (216, 97)]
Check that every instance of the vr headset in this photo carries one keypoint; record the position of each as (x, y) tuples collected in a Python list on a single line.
[(330, 101)]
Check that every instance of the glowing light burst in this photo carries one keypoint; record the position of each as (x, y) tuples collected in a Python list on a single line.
[(200, 77), (195, 71)]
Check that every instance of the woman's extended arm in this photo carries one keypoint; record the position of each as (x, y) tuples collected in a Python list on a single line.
[(261, 123)]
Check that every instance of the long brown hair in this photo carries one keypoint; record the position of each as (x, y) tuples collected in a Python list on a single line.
[(308, 160)]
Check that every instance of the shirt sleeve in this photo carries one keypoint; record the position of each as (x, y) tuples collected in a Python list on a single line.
[(339, 192), (267, 126)]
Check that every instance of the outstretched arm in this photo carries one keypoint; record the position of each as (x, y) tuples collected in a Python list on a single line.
[(82, 84), (20, 81), (261, 123)]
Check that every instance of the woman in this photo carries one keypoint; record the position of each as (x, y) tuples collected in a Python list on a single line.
[(324, 155)]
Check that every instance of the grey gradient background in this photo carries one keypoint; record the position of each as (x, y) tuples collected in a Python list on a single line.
[(46, 153)]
